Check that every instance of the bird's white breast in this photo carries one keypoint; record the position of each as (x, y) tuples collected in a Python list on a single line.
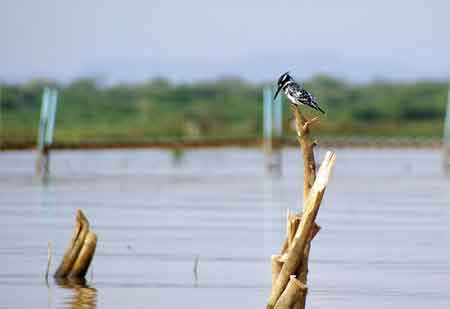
[(290, 97)]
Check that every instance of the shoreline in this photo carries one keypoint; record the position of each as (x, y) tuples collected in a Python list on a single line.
[(338, 142)]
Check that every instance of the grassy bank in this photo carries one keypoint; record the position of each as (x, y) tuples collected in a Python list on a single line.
[(223, 108)]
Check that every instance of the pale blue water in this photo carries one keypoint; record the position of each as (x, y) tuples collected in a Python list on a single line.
[(384, 242)]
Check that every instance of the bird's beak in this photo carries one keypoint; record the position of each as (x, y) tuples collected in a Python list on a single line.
[(276, 93)]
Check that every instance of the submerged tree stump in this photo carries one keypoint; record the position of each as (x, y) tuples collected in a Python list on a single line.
[(78, 256), (290, 268)]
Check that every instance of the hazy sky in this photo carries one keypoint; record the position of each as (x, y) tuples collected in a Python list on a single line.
[(192, 40)]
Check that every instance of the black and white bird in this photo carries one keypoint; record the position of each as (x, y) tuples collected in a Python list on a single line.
[(295, 93)]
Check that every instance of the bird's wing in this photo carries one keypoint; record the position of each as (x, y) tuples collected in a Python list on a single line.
[(302, 96), (308, 99)]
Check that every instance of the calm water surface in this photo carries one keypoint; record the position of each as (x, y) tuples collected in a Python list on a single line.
[(384, 243)]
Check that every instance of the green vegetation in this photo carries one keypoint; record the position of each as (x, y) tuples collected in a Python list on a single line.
[(88, 111)]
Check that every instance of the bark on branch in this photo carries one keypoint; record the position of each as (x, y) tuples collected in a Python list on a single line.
[(307, 148)]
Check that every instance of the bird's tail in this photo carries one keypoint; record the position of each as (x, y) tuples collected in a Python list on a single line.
[(316, 106), (319, 109)]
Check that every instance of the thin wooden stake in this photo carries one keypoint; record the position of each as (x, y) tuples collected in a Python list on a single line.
[(196, 261), (49, 260)]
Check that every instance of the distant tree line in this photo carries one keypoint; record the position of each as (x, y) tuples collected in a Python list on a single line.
[(228, 107)]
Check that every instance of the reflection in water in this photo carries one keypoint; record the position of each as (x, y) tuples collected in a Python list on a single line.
[(177, 155), (83, 295)]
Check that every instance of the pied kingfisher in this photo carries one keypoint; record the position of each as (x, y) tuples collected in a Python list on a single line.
[(295, 93)]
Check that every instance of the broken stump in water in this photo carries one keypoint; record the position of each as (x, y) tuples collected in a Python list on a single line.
[(78, 256), (290, 267)]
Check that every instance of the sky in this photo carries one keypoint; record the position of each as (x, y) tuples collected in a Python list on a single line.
[(128, 41)]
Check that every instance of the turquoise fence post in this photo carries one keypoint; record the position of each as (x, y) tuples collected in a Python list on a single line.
[(267, 122), (446, 136), (53, 102), (272, 128), (278, 117), (45, 133), (278, 132), (43, 119), (1, 117)]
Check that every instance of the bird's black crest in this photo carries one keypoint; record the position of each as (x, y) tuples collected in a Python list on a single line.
[(284, 78)]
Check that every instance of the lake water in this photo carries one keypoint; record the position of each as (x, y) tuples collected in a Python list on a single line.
[(384, 241)]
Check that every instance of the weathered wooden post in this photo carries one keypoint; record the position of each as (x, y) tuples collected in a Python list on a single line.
[(290, 268)]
